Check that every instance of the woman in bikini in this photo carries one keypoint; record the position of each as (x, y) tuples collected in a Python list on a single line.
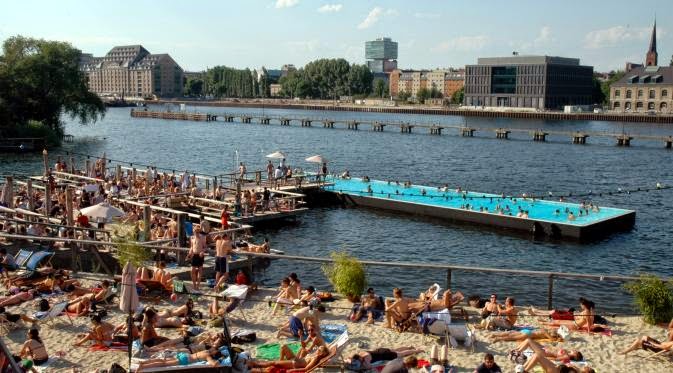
[(524, 334), (34, 349), (185, 310), (191, 343), (148, 334), (290, 362), (582, 321), (79, 306), (548, 366), (101, 333), (121, 332), (559, 355), (182, 358)]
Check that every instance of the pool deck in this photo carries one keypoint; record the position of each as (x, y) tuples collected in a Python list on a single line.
[(620, 221)]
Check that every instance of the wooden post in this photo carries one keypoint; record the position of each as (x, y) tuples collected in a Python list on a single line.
[(214, 186), (147, 217), (47, 199), (550, 292), (207, 185), (72, 165), (45, 161), (118, 173), (87, 167), (29, 187), (448, 279), (70, 221)]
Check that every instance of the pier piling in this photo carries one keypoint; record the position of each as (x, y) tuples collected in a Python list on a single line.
[(579, 138), (353, 125), (668, 142), (378, 127), (540, 136), (624, 140), (306, 123), (328, 124), (467, 132), (502, 133), (284, 122)]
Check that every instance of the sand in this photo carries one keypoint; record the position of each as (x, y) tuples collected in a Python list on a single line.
[(599, 350)]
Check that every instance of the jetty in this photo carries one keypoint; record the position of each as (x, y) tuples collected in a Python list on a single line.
[(622, 139)]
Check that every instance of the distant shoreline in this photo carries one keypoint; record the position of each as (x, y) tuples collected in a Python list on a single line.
[(330, 106)]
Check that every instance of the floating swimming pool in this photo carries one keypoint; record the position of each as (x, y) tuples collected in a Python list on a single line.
[(540, 216)]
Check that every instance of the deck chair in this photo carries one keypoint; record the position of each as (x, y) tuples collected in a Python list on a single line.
[(39, 258), (54, 312), (664, 353), (22, 257), (442, 326), (335, 349), (7, 326), (238, 293)]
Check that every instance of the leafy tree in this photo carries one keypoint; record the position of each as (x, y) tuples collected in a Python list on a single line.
[(194, 87), (360, 80), (403, 96), (380, 88), (605, 85), (422, 95), (435, 93), (39, 81), (327, 78), (597, 94), (458, 96)]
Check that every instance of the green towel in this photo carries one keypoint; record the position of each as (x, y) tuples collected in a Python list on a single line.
[(271, 351)]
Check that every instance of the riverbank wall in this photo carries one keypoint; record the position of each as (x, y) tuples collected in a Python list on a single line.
[(543, 115)]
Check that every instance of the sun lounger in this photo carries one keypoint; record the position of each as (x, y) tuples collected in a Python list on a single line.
[(442, 326), (335, 350), (238, 293), (54, 312), (7, 326)]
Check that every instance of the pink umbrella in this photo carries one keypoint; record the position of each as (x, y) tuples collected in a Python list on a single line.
[(128, 299)]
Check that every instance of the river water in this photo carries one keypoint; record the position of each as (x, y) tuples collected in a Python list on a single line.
[(480, 164)]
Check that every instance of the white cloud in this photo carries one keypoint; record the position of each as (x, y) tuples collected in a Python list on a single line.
[(286, 3), (372, 18), (329, 8), (615, 35), (544, 36), (427, 15), (392, 12), (463, 43)]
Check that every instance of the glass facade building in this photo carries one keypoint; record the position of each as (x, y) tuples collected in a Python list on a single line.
[(381, 55)]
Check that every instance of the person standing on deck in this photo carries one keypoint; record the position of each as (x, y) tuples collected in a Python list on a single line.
[(278, 176), (266, 196), (269, 172), (224, 216), (197, 252), (323, 170), (223, 249), (241, 171)]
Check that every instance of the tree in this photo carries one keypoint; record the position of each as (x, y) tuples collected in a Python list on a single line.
[(39, 81), (422, 95), (380, 88), (597, 94), (458, 96), (403, 96), (360, 80), (194, 87), (605, 85)]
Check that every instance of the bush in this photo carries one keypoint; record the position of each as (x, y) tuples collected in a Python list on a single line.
[(346, 274), (128, 250), (653, 297), (36, 129)]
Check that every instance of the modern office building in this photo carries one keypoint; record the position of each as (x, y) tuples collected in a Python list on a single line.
[(381, 55), (132, 71), (539, 82), (446, 81), (645, 88)]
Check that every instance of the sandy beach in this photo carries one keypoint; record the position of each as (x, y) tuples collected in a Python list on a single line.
[(599, 350)]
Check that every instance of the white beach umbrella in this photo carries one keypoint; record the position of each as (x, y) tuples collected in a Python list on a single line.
[(276, 155), (102, 210), (317, 159), (128, 300)]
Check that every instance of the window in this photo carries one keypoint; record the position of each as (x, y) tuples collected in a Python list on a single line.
[(639, 105), (652, 94), (628, 93), (664, 93), (650, 106), (640, 93), (627, 106), (616, 106), (663, 106), (617, 93)]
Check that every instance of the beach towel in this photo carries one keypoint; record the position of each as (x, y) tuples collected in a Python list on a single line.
[(271, 351), (115, 346), (330, 332), (604, 331)]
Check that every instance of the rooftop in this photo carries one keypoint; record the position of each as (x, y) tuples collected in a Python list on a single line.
[(647, 75), (528, 60)]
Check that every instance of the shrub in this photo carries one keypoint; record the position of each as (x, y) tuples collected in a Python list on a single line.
[(346, 274), (653, 297), (128, 250)]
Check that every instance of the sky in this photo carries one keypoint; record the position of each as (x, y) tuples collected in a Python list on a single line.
[(431, 33)]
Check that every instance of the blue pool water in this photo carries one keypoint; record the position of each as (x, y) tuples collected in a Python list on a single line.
[(542, 210)]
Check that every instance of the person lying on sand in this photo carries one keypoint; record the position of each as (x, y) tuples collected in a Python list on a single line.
[(447, 301), (290, 361), (185, 310), (523, 334), (363, 360), (188, 342), (548, 365), (14, 317), (79, 306), (18, 298), (648, 344), (121, 332), (559, 355), (582, 321), (183, 358), (148, 333)]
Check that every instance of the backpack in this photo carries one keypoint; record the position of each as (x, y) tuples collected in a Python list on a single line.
[(244, 336), (179, 287)]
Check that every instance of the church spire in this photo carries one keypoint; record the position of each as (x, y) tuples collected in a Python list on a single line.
[(652, 55)]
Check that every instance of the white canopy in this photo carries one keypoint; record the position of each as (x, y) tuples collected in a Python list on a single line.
[(276, 155), (102, 210), (317, 159)]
